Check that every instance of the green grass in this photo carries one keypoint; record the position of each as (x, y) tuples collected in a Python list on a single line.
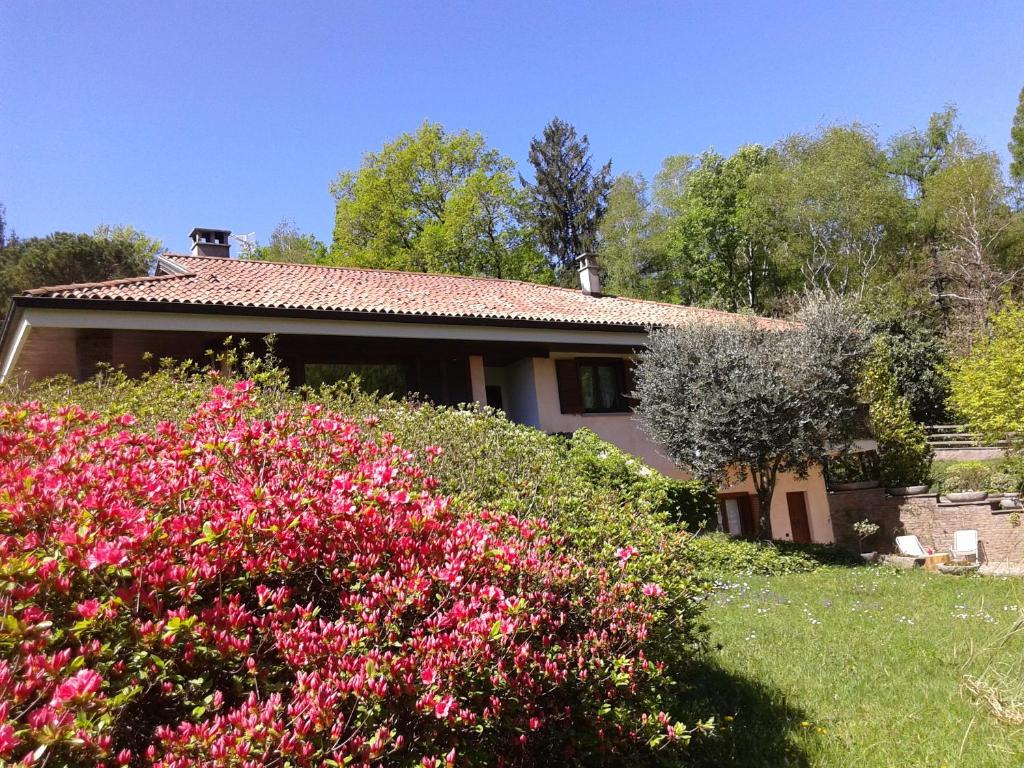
[(859, 667)]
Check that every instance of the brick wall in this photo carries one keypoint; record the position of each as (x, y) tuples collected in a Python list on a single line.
[(1000, 533)]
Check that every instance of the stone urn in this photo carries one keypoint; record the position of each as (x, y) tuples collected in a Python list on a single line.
[(965, 497), (907, 490)]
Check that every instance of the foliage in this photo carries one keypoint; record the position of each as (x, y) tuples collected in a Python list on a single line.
[(967, 476), (435, 201), (722, 237), (718, 555), (919, 359), (1016, 145), (146, 248), (844, 213), (735, 399), (63, 258), (287, 590), (987, 386), (567, 198), (903, 450), (488, 462), (1002, 482), (687, 502), (290, 245), (632, 254), (853, 467)]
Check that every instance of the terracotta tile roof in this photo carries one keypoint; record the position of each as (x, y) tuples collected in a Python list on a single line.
[(218, 282)]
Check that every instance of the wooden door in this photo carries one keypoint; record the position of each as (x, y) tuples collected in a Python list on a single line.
[(798, 523), (738, 515)]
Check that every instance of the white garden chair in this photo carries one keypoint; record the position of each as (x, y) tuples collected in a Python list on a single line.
[(965, 545), (910, 546)]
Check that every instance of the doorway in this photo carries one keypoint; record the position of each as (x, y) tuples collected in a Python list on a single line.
[(799, 524)]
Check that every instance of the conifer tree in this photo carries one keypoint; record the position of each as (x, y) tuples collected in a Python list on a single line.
[(567, 198)]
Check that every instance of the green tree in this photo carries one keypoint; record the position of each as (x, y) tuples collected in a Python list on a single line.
[(1017, 142), (915, 155), (631, 236), (966, 205), (845, 214), (435, 201), (146, 248), (64, 257), (567, 198), (288, 244), (735, 400), (903, 450), (987, 385), (721, 236)]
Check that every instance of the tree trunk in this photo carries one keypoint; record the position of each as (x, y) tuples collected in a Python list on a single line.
[(764, 485)]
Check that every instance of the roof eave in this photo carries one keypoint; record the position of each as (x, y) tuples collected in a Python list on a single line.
[(124, 305)]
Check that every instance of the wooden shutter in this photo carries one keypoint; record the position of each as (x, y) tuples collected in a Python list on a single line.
[(629, 383), (570, 398), (753, 512)]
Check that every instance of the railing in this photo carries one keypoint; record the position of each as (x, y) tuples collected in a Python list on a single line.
[(958, 436)]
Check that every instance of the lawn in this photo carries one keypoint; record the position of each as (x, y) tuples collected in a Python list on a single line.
[(860, 666)]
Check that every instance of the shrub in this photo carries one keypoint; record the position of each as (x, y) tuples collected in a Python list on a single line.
[(690, 503), (905, 458), (232, 589), (966, 476), (488, 462), (716, 555)]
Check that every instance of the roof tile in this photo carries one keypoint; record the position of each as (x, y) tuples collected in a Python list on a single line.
[(211, 281)]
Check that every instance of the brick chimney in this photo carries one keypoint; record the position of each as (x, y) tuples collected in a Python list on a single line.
[(590, 279), (210, 242)]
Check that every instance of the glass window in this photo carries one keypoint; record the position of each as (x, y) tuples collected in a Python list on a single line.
[(601, 387), (384, 379)]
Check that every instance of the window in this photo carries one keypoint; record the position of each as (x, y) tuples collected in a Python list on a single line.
[(601, 386), (386, 379), (594, 385)]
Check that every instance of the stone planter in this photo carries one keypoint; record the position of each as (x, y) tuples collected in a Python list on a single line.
[(907, 490), (1010, 501), (868, 557), (965, 497), (959, 569), (859, 485)]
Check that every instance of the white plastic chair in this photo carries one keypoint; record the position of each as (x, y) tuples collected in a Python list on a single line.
[(910, 546), (965, 545)]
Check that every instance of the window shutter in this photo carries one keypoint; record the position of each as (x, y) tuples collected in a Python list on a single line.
[(629, 383), (569, 396), (754, 511)]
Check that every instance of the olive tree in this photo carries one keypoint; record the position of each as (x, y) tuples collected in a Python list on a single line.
[(748, 397)]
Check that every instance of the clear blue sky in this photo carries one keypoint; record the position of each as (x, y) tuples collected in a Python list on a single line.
[(168, 115)]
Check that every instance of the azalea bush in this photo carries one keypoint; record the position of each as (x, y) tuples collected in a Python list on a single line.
[(239, 587), (487, 462)]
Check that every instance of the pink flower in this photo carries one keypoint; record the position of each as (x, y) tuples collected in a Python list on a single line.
[(104, 553), (88, 609), (444, 706), (8, 740), (624, 553), (653, 590), (82, 686)]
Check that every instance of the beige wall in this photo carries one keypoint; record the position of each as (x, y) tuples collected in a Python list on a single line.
[(623, 430)]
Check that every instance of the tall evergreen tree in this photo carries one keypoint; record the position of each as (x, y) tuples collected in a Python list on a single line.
[(567, 198), (1017, 142)]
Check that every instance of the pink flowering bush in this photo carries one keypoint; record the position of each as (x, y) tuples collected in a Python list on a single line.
[(241, 590)]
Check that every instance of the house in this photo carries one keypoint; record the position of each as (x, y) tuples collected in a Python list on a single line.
[(554, 358)]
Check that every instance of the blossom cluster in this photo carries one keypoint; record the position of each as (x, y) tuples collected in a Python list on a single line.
[(230, 590)]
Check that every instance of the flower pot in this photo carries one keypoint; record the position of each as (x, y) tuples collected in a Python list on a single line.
[(907, 490), (858, 485), (962, 497)]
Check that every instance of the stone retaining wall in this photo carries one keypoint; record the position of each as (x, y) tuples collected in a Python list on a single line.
[(1000, 532)]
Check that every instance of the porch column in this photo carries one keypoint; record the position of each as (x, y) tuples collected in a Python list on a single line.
[(476, 379)]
